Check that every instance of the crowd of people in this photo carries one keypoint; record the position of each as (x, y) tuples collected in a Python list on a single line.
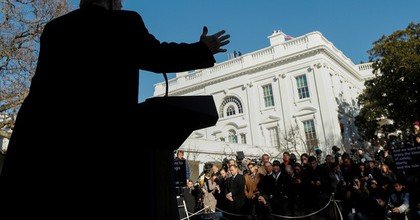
[(363, 185)]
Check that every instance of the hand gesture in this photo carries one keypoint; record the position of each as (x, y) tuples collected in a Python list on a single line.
[(216, 41), (262, 200)]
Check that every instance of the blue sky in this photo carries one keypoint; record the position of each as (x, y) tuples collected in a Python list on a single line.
[(351, 25)]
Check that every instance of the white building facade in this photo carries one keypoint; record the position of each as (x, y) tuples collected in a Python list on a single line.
[(297, 95)]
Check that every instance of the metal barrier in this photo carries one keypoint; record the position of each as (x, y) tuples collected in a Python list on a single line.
[(332, 200)]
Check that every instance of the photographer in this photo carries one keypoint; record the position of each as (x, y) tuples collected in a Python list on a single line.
[(262, 207), (191, 196), (359, 200)]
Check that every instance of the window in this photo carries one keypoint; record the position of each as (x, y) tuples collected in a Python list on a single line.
[(236, 105), (302, 87), (310, 134), (268, 95), (274, 136), (233, 138), (243, 138), (230, 110)]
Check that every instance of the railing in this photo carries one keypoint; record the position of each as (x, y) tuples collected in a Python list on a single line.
[(193, 75), (307, 41), (296, 42), (365, 66), (262, 53)]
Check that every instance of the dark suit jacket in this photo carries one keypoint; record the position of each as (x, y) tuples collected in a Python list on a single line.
[(75, 147), (236, 186)]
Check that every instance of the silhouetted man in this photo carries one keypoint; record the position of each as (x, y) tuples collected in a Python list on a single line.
[(74, 151)]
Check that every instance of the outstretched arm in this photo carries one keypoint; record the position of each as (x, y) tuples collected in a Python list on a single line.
[(177, 57)]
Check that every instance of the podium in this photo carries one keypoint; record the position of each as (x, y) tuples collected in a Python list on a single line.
[(177, 116), (165, 123)]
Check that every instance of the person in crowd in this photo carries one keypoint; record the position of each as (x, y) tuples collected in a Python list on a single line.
[(264, 159), (180, 158), (372, 169), (325, 167), (291, 187), (297, 185), (312, 184), (387, 178), (348, 168), (252, 180), (329, 159), (416, 127), (377, 200), (304, 160), (266, 184), (363, 174), (398, 202), (286, 161), (210, 189), (232, 162), (359, 199), (278, 201), (293, 159), (235, 190), (216, 170), (263, 208), (417, 140), (222, 182), (190, 194), (334, 181)]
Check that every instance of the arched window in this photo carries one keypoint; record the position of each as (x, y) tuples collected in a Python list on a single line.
[(235, 106), (230, 110), (233, 138)]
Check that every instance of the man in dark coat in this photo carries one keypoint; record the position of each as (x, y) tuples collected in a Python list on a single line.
[(236, 190), (74, 151)]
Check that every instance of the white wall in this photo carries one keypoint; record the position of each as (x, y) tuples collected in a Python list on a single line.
[(334, 82)]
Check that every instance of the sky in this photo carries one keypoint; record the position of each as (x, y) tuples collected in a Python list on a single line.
[(351, 25)]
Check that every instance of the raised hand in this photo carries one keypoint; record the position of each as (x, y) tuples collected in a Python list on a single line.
[(216, 41)]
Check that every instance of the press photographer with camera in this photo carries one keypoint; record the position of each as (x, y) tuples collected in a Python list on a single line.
[(358, 196), (191, 195)]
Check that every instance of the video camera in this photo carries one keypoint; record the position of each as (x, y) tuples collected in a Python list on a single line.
[(225, 164), (336, 152), (207, 167)]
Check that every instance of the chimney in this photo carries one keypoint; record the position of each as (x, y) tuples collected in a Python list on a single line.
[(277, 37)]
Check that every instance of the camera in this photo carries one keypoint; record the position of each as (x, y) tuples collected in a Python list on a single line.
[(225, 164), (336, 150), (207, 167), (255, 161)]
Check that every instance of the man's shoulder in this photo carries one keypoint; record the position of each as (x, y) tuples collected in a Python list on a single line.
[(127, 14), (63, 18), (79, 14)]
